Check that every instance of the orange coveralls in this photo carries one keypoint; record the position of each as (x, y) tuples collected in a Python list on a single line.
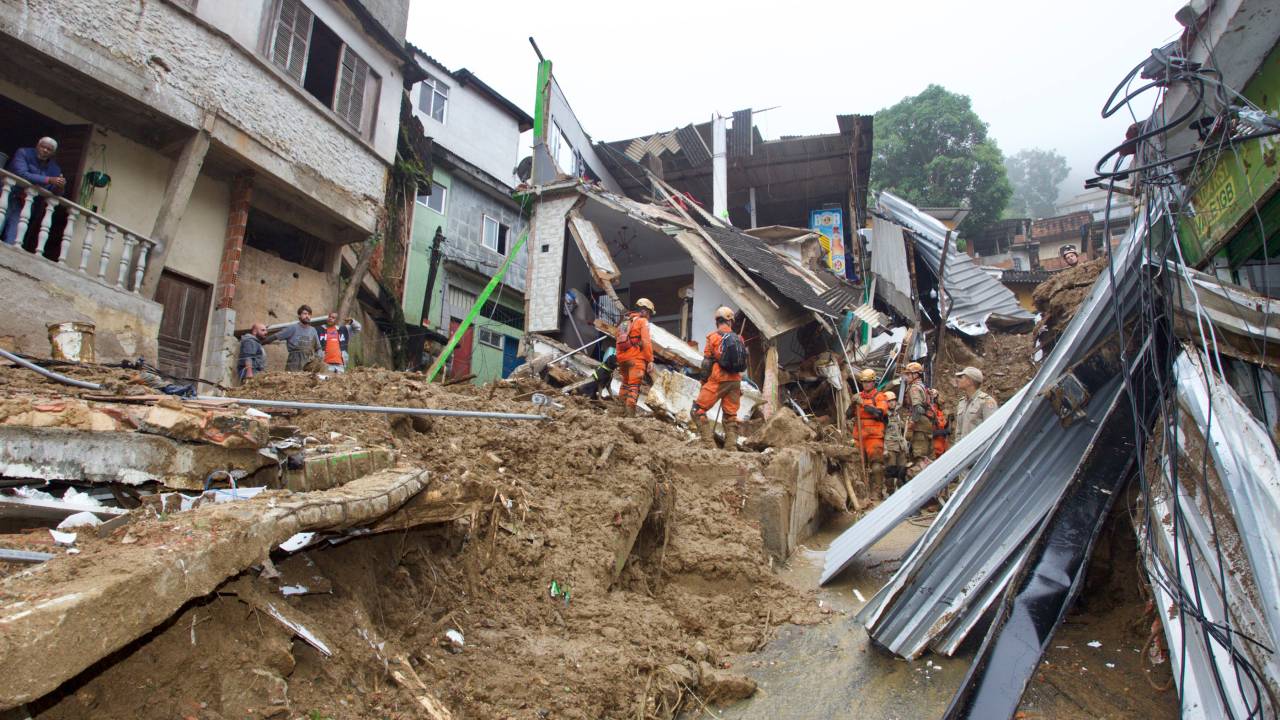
[(871, 439), (720, 384), (633, 359), (940, 441)]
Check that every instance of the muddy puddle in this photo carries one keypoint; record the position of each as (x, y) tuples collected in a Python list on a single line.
[(1095, 667)]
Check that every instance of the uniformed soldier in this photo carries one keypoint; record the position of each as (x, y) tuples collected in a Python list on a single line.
[(974, 405), (919, 426), (895, 443)]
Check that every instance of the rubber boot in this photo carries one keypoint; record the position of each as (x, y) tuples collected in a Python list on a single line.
[(628, 411), (731, 435), (707, 431)]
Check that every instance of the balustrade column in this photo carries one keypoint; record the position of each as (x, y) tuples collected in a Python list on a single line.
[(8, 186), (126, 255), (24, 217), (46, 222), (141, 267), (68, 233), (86, 249), (108, 235)]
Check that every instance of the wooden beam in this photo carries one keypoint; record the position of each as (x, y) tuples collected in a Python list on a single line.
[(173, 205)]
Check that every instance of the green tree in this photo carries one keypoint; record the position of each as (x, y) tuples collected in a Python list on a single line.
[(1035, 175), (933, 150)]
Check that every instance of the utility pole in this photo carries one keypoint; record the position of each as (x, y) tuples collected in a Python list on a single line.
[(434, 264)]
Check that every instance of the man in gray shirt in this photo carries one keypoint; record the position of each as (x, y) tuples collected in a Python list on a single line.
[(253, 359), (301, 340)]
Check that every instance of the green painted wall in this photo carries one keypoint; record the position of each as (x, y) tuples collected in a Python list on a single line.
[(486, 361), (418, 266)]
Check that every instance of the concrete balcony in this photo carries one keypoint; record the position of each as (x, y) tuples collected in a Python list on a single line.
[(77, 266), (86, 242)]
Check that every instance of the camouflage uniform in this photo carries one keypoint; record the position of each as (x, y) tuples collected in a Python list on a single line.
[(920, 439), (970, 412), (895, 446)]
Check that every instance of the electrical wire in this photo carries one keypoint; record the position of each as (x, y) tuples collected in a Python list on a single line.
[(1153, 179)]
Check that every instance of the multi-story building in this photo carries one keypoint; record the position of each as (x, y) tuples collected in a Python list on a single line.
[(218, 157), (475, 136)]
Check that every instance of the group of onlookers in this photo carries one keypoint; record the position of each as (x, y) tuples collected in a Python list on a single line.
[(309, 348)]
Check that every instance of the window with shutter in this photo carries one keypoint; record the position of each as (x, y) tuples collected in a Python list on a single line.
[(353, 76), (293, 34)]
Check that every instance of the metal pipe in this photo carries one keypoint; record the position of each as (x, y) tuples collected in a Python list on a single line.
[(49, 373), (339, 407), (575, 352)]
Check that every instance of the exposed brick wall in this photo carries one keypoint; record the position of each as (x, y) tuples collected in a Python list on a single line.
[(233, 244), (542, 296)]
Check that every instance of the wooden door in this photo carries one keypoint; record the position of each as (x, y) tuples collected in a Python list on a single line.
[(460, 361), (182, 327)]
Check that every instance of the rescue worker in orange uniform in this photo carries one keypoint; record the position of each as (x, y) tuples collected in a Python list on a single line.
[(720, 384), (868, 431), (635, 354), (941, 433)]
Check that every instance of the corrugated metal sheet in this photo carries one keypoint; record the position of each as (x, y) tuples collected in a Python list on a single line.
[(695, 149), (755, 256), (739, 136), (975, 296), (842, 295), (889, 265), (980, 535), (1245, 458)]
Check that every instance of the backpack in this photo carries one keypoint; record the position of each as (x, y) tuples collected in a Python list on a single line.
[(625, 340), (733, 353)]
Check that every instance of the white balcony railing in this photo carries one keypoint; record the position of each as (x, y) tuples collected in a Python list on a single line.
[(86, 242)]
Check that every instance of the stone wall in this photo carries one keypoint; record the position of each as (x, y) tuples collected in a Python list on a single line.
[(173, 62), (126, 325)]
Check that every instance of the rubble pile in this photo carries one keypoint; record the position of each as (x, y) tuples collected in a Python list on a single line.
[(488, 593)]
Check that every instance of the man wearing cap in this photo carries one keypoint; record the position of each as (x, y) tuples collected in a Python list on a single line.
[(635, 353), (919, 426), (974, 404)]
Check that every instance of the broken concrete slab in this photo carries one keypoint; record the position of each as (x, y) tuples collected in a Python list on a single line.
[(131, 458), (194, 422), (330, 469), (790, 508), (51, 625)]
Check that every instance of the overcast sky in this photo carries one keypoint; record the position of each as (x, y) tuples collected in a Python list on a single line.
[(1038, 72)]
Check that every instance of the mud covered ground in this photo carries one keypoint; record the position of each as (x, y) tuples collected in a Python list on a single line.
[(697, 587)]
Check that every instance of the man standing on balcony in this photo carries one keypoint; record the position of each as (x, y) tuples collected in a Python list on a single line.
[(37, 166)]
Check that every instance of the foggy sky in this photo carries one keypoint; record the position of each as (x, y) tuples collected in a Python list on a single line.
[(1038, 72)]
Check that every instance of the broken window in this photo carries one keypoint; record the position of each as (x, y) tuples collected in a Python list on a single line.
[(434, 98), (495, 235), (313, 55), (434, 200)]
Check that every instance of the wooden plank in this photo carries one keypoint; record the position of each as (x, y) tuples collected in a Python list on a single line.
[(593, 249), (665, 345)]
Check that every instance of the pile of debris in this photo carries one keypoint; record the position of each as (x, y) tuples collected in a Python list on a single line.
[(478, 573)]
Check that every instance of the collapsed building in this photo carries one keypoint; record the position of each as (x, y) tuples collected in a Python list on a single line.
[(1159, 394)]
